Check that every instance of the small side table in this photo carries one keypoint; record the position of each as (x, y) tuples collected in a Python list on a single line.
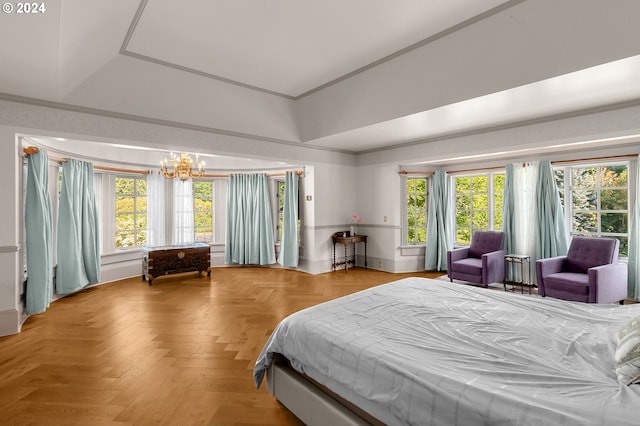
[(511, 262), (338, 238)]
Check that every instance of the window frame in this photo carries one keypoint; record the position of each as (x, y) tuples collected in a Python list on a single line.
[(492, 210), (405, 208), (211, 211), (114, 195), (567, 192)]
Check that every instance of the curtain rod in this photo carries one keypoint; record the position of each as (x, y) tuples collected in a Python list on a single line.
[(34, 150), (609, 157), (223, 175), (404, 172), (577, 160)]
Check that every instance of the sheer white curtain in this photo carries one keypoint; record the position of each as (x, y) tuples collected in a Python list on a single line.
[(183, 226), (524, 184), (155, 210)]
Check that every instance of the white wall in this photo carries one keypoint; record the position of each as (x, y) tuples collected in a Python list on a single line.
[(10, 229)]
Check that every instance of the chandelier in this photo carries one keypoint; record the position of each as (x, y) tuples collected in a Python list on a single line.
[(182, 167)]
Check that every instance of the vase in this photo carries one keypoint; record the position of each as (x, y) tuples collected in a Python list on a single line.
[(352, 232)]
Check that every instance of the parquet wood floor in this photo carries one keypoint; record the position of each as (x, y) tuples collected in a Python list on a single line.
[(180, 352)]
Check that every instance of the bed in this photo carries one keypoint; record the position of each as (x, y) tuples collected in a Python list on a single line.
[(424, 352)]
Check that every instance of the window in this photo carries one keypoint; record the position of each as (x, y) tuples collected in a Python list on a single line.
[(596, 200), (203, 210), (416, 210), (280, 198), (478, 201), (131, 212)]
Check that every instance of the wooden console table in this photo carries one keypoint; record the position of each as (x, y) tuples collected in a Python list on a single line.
[(157, 261), (338, 238)]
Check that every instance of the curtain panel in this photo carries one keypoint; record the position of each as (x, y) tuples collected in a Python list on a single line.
[(289, 251), (508, 211), (183, 221), (155, 209), (438, 224), (551, 235), (38, 224), (249, 232), (634, 239), (78, 244)]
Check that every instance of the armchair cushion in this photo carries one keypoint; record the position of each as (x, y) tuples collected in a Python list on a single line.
[(586, 253), (485, 242)]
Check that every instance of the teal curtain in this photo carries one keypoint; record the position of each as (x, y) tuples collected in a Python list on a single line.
[(289, 251), (438, 228), (508, 211), (551, 236), (38, 224), (634, 238), (249, 234), (78, 232)]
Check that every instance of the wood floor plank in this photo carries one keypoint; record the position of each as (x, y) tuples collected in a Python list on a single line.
[(178, 352)]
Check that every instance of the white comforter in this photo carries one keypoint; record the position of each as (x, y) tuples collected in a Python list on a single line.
[(424, 352)]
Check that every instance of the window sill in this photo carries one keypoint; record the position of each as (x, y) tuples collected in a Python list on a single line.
[(412, 250)]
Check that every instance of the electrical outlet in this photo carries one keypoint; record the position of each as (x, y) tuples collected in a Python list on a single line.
[(386, 218), (380, 264)]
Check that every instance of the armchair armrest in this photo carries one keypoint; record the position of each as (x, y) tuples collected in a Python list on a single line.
[(454, 255), (548, 266), (493, 266), (458, 253), (608, 283)]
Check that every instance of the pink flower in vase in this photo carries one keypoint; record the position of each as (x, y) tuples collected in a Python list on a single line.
[(354, 219)]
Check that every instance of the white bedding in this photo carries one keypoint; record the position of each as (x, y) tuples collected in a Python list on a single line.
[(420, 351)]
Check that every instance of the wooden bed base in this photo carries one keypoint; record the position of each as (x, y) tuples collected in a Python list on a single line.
[(311, 402)]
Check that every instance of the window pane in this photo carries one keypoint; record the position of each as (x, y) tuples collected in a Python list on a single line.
[(624, 246), (124, 221), (480, 221), (463, 220), (480, 183), (613, 199), (125, 204), (585, 222), (584, 177), (614, 222), (613, 176), (124, 186), (463, 202), (480, 201), (585, 199), (463, 236), (141, 186)]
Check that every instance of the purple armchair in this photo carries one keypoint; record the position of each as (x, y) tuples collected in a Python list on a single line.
[(590, 272), (480, 263)]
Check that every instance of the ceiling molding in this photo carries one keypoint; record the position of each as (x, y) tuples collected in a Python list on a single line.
[(143, 3), (496, 128), (149, 120), (414, 46)]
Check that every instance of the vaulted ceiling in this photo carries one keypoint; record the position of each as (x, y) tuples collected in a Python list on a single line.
[(353, 76)]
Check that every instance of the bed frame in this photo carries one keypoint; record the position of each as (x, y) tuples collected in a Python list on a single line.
[(311, 402)]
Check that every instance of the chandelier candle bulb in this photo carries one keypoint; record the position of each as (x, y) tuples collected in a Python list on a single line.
[(182, 167)]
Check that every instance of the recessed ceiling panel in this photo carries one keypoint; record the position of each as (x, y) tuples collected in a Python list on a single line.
[(289, 46)]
